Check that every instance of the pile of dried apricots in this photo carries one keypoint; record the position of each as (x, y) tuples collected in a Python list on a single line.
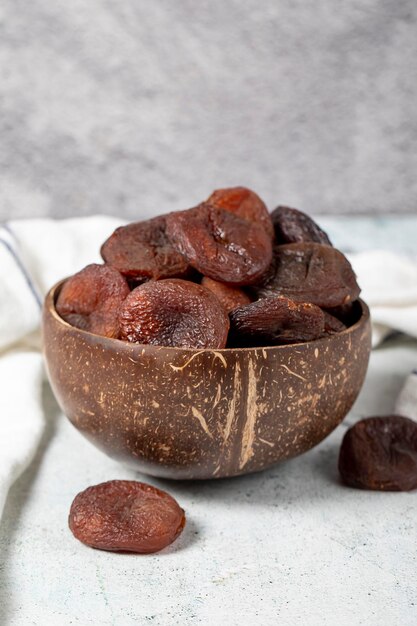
[(226, 273)]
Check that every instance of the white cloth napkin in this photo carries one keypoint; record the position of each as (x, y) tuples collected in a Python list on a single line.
[(389, 286), (34, 254)]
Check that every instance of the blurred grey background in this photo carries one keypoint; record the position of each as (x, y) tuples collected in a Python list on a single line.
[(132, 107)]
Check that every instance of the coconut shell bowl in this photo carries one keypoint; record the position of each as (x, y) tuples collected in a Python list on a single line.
[(197, 414)]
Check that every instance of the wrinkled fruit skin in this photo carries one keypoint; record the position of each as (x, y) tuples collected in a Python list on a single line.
[(277, 320), (91, 300), (245, 203), (220, 244), (229, 297), (174, 313), (311, 272), (126, 516), (380, 453), (142, 250), (292, 226)]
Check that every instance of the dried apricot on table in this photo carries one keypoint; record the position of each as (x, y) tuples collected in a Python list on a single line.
[(143, 250), (310, 272), (176, 313), (276, 320), (245, 203), (230, 297), (126, 516), (91, 299), (292, 226), (221, 245), (380, 453)]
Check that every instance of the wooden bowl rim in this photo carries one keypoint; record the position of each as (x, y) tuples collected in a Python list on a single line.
[(49, 304)]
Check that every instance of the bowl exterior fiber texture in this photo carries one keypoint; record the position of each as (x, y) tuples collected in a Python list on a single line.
[(183, 414)]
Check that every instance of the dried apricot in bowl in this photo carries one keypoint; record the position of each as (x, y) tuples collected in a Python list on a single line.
[(91, 299), (221, 245), (142, 250), (230, 297), (292, 226), (311, 272), (176, 313), (126, 516), (276, 320), (245, 203), (332, 324)]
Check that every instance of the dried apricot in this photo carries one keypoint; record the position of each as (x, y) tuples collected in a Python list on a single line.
[(91, 299), (332, 324), (380, 453), (277, 320), (221, 245), (143, 250), (348, 313), (174, 312), (310, 272), (126, 516), (244, 203), (292, 226), (230, 297)]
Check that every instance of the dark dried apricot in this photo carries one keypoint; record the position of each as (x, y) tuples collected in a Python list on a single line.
[(174, 312), (311, 272), (348, 313), (91, 299), (292, 226), (380, 453), (126, 516), (230, 297), (332, 324), (143, 250), (277, 320), (245, 203), (221, 245)]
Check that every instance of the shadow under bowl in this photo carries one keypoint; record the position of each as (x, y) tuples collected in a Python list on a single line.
[(196, 414)]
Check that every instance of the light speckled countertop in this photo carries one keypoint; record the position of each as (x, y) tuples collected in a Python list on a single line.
[(289, 545)]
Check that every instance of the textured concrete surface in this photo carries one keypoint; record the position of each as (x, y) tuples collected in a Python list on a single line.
[(135, 108)]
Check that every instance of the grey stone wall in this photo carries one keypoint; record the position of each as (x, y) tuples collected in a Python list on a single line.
[(135, 107)]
